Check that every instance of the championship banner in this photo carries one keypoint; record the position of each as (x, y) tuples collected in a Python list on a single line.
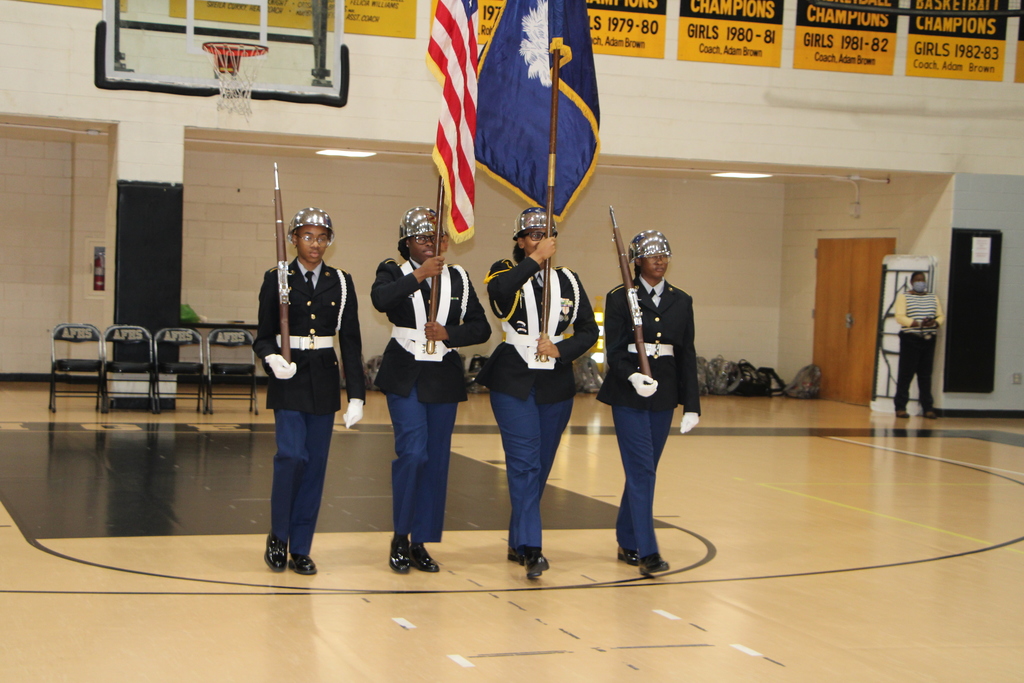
[(86, 4), (280, 13), (629, 28), (488, 17), (633, 28), (968, 48), (391, 18), (745, 32), (830, 39)]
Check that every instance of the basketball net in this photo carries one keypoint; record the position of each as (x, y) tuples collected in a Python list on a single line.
[(235, 66)]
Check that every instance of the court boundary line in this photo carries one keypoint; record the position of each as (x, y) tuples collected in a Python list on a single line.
[(639, 581)]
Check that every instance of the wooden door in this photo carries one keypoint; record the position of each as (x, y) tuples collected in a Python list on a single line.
[(846, 315)]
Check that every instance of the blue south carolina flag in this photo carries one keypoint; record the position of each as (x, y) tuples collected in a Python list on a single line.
[(514, 100)]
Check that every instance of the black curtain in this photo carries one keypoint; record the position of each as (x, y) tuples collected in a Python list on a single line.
[(972, 313)]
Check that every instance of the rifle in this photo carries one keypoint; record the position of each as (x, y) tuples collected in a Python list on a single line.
[(631, 298), (282, 270)]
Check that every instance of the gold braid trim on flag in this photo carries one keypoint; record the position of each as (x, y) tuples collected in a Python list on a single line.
[(589, 115)]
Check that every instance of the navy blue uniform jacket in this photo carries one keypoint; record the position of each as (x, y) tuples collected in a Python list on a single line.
[(316, 386), (671, 323), (506, 371), (435, 382)]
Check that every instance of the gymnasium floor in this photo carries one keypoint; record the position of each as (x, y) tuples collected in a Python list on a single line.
[(810, 541)]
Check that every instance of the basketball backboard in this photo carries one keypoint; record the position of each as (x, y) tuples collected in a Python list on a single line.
[(157, 45)]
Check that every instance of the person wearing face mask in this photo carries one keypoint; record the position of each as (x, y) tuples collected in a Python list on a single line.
[(305, 394), (642, 406), (423, 389), (530, 377), (920, 315)]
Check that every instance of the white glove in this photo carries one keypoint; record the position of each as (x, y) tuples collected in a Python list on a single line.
[(354, 413), (644, 385), (688, 422), (282, 368)]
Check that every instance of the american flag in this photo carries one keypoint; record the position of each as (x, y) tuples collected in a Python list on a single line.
[(452, 56)]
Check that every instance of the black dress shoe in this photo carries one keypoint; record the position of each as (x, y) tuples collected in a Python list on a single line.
[(276, 556), (514, 556), (421, 559), (302, 564), (653, 564), (536, 564), (399, 560), (630, 557)]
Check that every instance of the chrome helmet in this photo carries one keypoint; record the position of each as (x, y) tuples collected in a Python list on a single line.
[(649, 243), (419, 220), (532, 218), (312, 216)]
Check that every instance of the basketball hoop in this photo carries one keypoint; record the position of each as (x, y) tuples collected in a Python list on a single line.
[(235, 71)]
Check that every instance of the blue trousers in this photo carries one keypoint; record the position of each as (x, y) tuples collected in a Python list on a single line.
[(419, 475), (530, 433), (303, 440), (641, 435)]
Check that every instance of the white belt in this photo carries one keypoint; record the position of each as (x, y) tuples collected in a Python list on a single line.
[(415, 342), (308, 342), (525, 340), (406, 333), (655, 350)]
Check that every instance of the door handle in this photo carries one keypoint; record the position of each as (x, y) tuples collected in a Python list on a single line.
[(849, 320)]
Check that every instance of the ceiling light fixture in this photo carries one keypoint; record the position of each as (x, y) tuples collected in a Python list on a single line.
[(742, 175), (345, 153)]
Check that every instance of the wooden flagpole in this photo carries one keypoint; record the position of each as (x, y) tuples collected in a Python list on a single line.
[(556, 62), (438, 231)]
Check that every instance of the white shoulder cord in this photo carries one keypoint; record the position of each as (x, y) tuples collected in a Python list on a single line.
[(344, 298), (575, 292), (465, 291)]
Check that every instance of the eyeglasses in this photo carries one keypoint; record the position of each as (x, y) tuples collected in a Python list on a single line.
[(320, 240), (658, 258), (538, 235), (427, 239)]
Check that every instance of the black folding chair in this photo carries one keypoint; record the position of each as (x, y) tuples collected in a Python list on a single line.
[(133, 354), (71, 370), (171, 341), (228, 367)]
